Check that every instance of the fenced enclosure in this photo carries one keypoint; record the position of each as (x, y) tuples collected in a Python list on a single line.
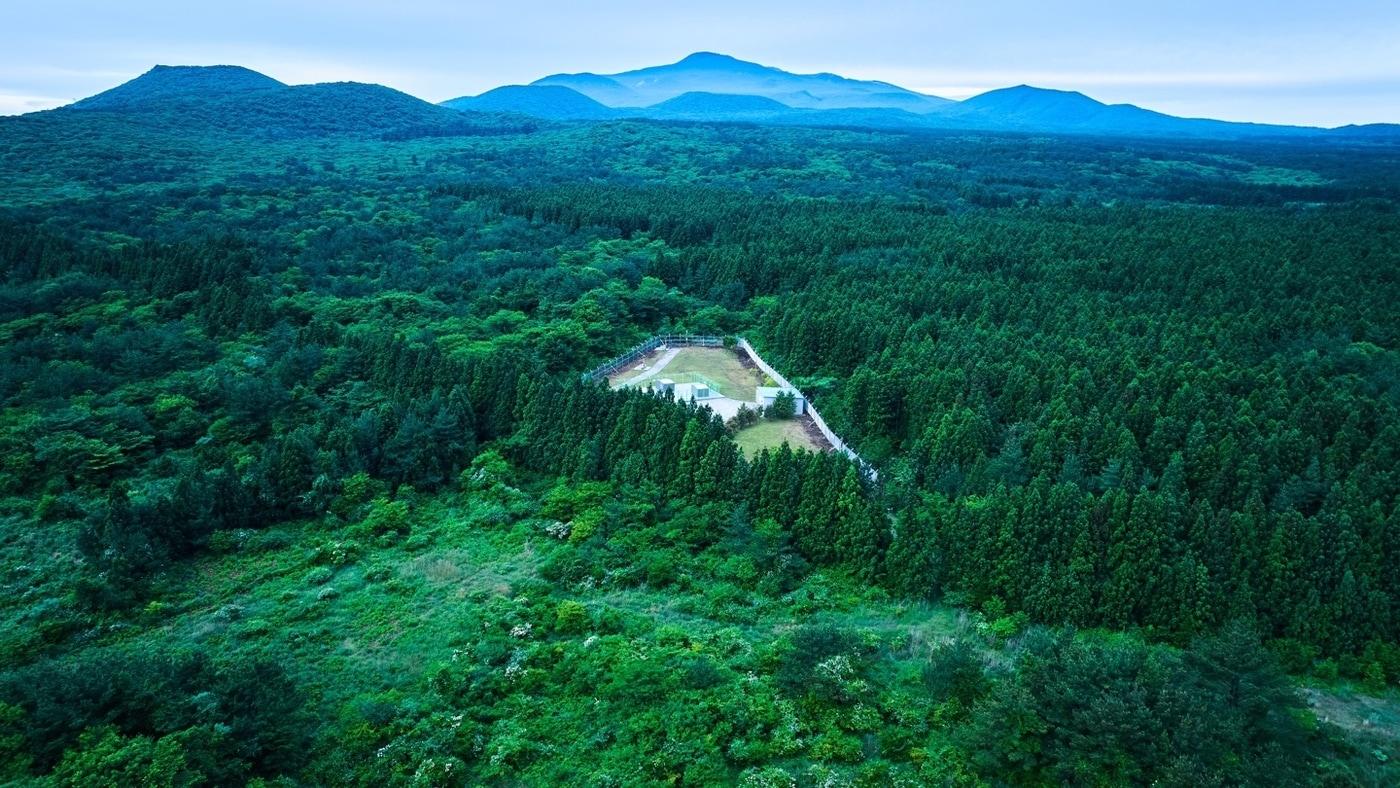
[(703, 340), (831, 437), (721, 389), (640, 351)]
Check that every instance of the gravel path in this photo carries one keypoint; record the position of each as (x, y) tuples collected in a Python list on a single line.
[(655, 368)]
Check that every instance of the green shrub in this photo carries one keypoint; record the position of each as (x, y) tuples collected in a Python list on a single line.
[(836, 746), (387, 517), (571, 617), (1326, 670), (1373, 678)]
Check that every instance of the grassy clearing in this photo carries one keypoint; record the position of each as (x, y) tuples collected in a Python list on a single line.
[(720, 365), (1375, 716), (772, 434), (357, 616)]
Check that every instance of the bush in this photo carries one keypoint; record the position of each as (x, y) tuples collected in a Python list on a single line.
[(387, 517), (746, 417), (1373, 678), (784, 406), (357, 490), (801, 669), (954, 671), (52, 508), (571, 617), (834, 746)]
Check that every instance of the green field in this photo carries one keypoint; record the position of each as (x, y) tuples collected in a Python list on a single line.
[(720, 367), (772, 434)]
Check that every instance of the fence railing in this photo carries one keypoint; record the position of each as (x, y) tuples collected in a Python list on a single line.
[(635, 354), (704, 340), (826, 431)]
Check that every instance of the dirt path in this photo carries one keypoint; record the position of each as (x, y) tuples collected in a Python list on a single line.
[(655, 368)]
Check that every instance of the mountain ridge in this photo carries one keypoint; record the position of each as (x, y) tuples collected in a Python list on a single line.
[(235, 98), (552, 102), (711, 72), (163, 82), (238, 100)]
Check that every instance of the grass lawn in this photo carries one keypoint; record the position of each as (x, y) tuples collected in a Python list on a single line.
[(720, 365), (772, 434)]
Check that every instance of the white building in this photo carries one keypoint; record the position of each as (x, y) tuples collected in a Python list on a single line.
[(694, 391), (765, 395), (684, 392)]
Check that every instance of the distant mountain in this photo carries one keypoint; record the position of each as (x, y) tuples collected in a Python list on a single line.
[(554, 102), (163, 83), (876, 118), (698, 105), (707, 72), (1027, 108), (702, 87), (237, 100), (1024, 103), (829, 99), (1376, 130), (604, 90)]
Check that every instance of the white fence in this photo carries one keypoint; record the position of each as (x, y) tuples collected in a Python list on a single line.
[(831, 437), (672, 340), (703, 340)]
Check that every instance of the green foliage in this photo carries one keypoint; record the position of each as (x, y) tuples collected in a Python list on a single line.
[(1122, 713), (105, 758), (784, 406), (311, 409), (571, 617), (168, 718)]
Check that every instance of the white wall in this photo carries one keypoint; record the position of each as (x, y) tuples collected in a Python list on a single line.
[(817, 419)]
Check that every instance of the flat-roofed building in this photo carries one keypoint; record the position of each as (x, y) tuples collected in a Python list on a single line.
[(764, 397)]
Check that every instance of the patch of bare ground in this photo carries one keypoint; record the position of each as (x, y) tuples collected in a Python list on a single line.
[(813, 434), (1371, 723)]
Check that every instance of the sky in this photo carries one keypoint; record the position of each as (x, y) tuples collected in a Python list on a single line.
[(1278, 61)]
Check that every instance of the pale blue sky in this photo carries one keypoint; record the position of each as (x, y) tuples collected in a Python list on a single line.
[(1323, 63)]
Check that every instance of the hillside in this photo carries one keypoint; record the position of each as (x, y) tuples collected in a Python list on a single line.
[(164, 83), (552, 102), (1029, 108), (228, 99)]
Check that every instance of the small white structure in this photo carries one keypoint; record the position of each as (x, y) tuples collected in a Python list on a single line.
[(694, 391), (765, 395), (664, 386)]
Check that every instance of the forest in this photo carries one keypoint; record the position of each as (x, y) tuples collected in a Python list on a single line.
[(301, 484)]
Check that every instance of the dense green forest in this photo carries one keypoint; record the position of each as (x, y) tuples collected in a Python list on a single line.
[(300, 483)]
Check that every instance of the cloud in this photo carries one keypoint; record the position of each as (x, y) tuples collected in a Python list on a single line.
[(14, 104)]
